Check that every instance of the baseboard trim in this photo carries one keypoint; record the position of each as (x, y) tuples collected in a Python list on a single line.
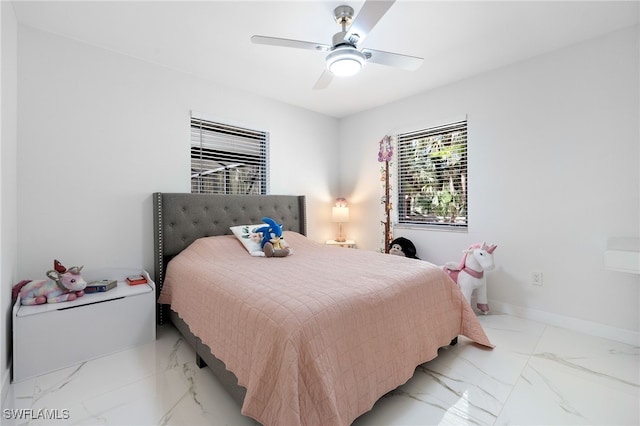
[(587, 327), (6, 382)]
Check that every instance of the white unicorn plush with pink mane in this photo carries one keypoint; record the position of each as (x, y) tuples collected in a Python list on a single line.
[(469, 273), (63, 285)]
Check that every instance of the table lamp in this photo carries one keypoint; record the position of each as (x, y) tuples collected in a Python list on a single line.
[(340, 215)]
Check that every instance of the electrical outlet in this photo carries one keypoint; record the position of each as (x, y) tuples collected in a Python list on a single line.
[(536, 278)]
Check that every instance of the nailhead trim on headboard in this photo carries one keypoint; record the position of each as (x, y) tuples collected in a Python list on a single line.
[(158, 252)]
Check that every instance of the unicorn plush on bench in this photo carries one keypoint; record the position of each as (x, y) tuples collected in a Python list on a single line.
[(469, 273), (63, 285)]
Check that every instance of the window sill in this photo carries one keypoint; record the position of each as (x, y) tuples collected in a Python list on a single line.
[(429, 227)]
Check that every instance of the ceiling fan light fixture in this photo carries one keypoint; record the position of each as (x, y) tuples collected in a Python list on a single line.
[(345, 61)]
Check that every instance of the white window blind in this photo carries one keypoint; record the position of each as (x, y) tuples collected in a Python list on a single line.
[(432, 176), (227, 159)]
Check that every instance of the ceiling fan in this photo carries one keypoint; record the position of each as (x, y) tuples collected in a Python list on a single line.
[(345, 57)]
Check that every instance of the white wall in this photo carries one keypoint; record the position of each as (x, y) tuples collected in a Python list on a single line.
[(8, 187), (554, 159), (100, 132)]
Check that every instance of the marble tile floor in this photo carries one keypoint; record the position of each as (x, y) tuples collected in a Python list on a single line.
[(537, 375)]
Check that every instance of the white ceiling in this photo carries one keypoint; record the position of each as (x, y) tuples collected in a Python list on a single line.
[(211, 40)]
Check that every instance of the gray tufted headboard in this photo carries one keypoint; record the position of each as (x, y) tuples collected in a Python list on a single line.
[(182, 218)]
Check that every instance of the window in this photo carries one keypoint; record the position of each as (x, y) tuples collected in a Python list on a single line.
[(228, 159), (432, 176)]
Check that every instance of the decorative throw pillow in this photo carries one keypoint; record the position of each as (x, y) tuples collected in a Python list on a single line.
[(247, 235)]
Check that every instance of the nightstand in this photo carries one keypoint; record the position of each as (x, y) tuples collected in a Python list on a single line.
[(52, 336), (347, 243)]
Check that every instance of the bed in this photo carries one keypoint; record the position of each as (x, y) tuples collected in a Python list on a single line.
[(314, 338)]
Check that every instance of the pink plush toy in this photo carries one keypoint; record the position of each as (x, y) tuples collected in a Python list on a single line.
[(469, 273), (63, 285)]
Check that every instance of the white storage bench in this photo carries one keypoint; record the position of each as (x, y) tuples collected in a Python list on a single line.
[(53, 336)]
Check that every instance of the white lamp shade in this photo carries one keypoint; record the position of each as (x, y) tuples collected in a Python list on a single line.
[(345, 67), (345, 61), (340, 214)]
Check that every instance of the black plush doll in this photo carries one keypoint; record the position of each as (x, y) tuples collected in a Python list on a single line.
[(403, 247)]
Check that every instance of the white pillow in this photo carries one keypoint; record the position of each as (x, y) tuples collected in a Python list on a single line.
[(247, 235)]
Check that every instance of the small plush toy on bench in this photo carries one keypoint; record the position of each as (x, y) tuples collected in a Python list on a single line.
[(63, 285)]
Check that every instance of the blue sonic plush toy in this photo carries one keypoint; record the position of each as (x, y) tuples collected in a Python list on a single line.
[(272, 242)]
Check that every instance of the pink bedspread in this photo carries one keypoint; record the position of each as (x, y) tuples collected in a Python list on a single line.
[(318, 337)]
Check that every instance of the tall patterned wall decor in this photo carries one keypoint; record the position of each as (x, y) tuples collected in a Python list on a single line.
[(384, 156)]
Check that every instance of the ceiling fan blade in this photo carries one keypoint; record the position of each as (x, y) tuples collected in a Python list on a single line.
[(370, 13), (324, 80), (397, 60), (285, 42)]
